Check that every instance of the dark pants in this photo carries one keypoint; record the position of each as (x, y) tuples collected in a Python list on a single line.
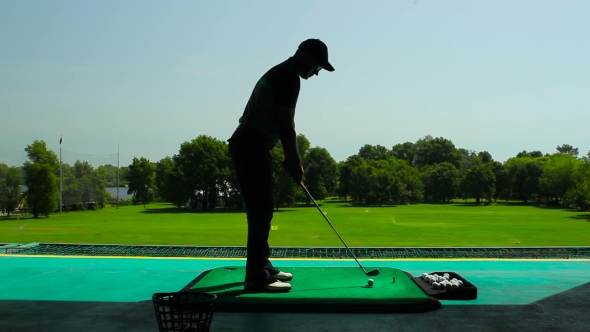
[(252, 164)]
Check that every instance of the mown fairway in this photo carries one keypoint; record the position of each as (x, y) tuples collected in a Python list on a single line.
[(406, 226)]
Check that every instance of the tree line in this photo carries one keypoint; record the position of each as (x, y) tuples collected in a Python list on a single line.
[(200, 176)]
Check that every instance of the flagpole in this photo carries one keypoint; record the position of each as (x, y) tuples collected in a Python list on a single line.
[(117, 175), (60, 177)]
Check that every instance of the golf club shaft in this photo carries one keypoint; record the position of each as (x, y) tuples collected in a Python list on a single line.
[(325, 217)]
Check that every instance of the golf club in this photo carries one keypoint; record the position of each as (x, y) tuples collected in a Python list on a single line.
[(370, 273)]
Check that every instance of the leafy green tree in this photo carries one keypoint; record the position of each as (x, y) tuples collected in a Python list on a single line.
[(81, 184), (466, 159), (502, 184), (344, 175), (91, 182), (568, 149), (432, 151), (41, 179), (441, 182), (485, 157), (405, 151), (3, 189), (362, 182), (109, 172), (410, 182), (141, 179), (532, 154), (71, 190), (10, 188), (303, 145), (13, 192), (168, 182), (388, 181), (205, 166), (284, 186), (479, 181), (374, 152), (525, 173), (320, 176), (580, 192), (557, 177)]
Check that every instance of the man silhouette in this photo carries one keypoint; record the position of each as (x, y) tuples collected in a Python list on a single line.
[(269, 117)]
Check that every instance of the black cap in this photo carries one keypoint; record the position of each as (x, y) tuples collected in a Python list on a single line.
[(317, 49)]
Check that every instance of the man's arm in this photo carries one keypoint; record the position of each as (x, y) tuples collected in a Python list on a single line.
[(288, 135)]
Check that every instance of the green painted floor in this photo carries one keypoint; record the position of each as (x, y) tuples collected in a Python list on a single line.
[(68, 294), (499, 282)]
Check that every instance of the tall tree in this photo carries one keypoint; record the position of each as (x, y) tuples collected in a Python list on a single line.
[(374, 152), (557, 176), (531, 154), (485, 156), (467, 157), (41, 179), (580, 192), (568, 149), (432, 151), (141, 179), (525, 173), (502, 184), (344, 175), (3, 189), (410, 183), (10, 188), (303, 145), (405, 151), (320, 172), (284, 186), (441, 182), (362, 182), (205, 166), (168, 182), (479, 181)]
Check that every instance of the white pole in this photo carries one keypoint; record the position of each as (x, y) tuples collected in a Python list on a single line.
[(117, 175), (60, 177)]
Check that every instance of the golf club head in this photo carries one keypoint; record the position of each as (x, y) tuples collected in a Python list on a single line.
[(373, 272)]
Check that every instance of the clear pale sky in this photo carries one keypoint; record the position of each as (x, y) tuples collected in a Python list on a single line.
[(501, 76)]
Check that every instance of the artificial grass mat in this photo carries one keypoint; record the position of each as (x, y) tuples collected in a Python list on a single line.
[(318, 289)]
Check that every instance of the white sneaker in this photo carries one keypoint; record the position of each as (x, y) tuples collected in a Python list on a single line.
[(280, 275), (270, 284)]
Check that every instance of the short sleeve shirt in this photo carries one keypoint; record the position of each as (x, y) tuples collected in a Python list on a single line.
[(278, 87)]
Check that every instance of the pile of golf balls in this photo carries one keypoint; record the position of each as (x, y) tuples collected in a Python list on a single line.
[(441, 282)]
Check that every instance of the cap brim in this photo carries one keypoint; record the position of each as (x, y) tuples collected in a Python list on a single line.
[(327, 66)]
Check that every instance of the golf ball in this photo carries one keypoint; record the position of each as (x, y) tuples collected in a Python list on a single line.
[(371, 282)]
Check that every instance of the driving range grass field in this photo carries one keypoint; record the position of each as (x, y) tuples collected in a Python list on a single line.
[(421, 225)]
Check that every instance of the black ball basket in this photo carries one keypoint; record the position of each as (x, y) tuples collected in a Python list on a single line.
[(184, 311)]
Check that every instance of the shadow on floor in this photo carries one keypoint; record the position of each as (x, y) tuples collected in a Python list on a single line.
[(566, 311)]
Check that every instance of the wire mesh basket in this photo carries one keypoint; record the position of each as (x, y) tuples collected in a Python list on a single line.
[(184, 311)]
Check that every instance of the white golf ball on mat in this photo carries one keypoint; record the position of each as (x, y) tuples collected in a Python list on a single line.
[(371, 282)]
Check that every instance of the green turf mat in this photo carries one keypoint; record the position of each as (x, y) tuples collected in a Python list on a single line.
[(318, 289)]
